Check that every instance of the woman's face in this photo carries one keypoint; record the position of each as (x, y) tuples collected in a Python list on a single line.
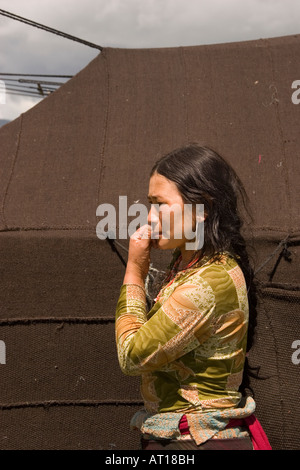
[(168, 215)]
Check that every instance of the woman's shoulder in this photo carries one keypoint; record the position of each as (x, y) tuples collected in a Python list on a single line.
[(210, 276), (220, 262), (219, 271)]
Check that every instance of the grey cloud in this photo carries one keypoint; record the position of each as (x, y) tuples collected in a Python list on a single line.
[(132, 24)]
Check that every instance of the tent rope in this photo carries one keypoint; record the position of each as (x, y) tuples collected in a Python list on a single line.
[(48, 29), (286, 254), (112, 244), (282, 243)]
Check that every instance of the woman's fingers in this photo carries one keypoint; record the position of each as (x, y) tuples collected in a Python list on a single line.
[(143, 233), (139, 251)]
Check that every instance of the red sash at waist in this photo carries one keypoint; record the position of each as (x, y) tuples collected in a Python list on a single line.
[(257, 434)]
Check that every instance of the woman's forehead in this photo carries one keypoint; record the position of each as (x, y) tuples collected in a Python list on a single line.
[(160, 186)]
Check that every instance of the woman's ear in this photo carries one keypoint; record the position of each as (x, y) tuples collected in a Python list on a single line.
[(199, 214)]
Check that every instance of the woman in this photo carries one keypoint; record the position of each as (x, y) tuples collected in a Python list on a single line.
[(190, 348)]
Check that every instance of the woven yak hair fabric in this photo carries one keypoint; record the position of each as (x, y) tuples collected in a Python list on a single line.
[(93, 140)]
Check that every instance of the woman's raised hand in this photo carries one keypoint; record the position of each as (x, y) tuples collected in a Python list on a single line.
[(138, 255)]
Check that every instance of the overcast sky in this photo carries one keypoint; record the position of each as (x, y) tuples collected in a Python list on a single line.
[(127, 24)]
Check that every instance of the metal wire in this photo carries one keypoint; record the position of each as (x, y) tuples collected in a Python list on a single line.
[(48, 29), (18, 86)]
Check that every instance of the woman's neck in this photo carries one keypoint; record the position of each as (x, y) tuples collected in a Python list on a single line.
[(186, 258)]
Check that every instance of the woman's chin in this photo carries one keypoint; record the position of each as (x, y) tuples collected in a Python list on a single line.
[(162, 244)]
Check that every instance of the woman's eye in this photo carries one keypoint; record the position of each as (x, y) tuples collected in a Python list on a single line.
[(161, 204), (157, 204)]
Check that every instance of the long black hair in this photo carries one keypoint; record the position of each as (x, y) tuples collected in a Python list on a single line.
[(203, 176)]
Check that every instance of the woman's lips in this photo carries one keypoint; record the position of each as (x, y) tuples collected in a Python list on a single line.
[(157, 235)]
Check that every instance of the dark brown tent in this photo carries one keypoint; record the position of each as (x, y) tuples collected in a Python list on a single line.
[(93, 140)]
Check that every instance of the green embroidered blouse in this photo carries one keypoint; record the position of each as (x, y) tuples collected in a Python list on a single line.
[(189, 349)]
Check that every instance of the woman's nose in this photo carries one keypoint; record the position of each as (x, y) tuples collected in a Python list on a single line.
[(153, 217)]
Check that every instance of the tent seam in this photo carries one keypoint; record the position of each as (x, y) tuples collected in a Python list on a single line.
[(185, 95), (12, 171), (276, 353), (276, 103), (101, 172), (49, 403)]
